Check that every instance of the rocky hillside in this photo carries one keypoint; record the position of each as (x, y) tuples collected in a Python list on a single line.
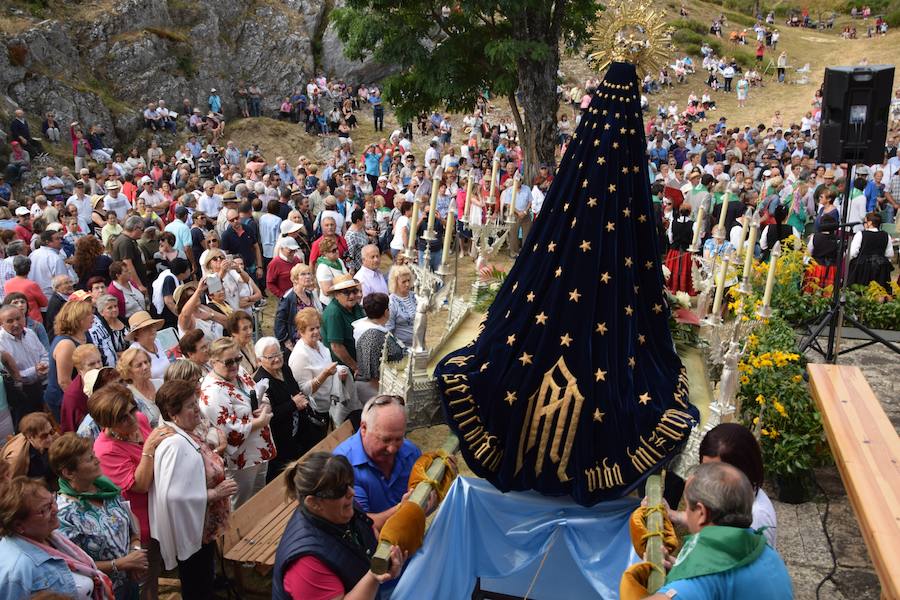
[(100, 61)]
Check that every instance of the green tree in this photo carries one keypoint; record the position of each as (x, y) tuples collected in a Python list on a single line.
[(448, 55)]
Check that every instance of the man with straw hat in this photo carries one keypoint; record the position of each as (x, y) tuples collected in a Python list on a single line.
[(338, 317)]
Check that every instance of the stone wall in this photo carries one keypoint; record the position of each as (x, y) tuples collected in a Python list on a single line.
[(101, 64)]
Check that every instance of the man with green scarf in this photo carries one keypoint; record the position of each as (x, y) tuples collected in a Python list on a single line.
[(724, 559)]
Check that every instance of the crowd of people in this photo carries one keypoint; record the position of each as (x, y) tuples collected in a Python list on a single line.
[(145, 399)]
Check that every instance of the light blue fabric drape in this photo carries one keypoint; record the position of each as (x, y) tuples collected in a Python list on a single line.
[(502, 538)]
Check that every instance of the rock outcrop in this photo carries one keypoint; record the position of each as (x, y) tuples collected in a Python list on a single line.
[(101, 62)]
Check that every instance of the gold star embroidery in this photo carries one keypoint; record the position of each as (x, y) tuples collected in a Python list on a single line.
[(574, 220), (551, 246), (525, 359), (628, 261), (585, 245), (615, 145), (510, 397), (598, 416), (530, 297), (606, 127), (485, 366), (506, 316), (584, 183), (511, 339), (631, 362), (594, 126), (631, 131), (626, 212), (636, 169), (601, 328), (657, 308), (565, 207), (596, 142), (612, 188), (622, 130), (601, 160), (540, 318), (610, 226), (642, 218), (617, 115), (629, 311), (574, 295), (565, 340), (580, 164), (592, 202), (534, 248), (600, 375), (637, 289), (648, 265), (644, 398), (624, 170), (605, 277), (642, 338), (558, 271), (515, 285), (605, 112)]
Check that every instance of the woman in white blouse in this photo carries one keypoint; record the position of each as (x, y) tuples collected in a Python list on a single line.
[(134, 367), (330, 388)]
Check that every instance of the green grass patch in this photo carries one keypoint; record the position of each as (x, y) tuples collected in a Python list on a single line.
[(173, 35), (690, 25)]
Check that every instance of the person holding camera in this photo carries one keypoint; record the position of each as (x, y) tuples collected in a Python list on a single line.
[(295, 426)]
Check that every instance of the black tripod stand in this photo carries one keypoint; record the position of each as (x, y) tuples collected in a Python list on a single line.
[(835, 316)]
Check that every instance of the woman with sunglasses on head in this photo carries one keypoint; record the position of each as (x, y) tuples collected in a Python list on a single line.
[(295, 427), (228, 400), (326, 547), (189, 498)]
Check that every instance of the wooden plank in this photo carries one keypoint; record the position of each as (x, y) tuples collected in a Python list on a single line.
[(260, 507), (866, 449)]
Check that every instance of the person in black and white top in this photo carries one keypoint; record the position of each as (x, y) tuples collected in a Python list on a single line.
[(870, 253)]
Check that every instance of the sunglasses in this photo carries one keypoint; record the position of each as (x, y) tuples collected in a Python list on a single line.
[(334, 493), (385, 399), (230, 362)]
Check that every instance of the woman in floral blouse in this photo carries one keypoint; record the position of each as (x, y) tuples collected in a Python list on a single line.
[(189, 498), (93, 515), (228, 401)]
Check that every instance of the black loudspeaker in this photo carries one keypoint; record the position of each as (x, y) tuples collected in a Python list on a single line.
[(855, 106)]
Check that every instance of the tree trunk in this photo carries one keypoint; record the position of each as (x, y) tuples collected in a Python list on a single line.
[(537, 89)]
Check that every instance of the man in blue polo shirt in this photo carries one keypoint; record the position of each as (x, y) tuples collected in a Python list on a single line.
[(381, 456)]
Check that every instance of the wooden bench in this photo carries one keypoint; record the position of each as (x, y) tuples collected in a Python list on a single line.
[(866, 449), (257, 526)]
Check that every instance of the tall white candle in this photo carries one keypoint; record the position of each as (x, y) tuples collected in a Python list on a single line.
[(432, 207), (413, 226), (495, 166), (750, 246), (770, 279), (448, 237), (512, 199), (725, 199), (720, 286), (698, 226), (465, 215), (748, 216)]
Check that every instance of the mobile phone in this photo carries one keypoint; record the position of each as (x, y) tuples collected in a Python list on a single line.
[(214, 284)]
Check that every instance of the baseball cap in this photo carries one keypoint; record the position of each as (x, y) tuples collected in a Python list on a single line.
[(22, 211), (289, 243)]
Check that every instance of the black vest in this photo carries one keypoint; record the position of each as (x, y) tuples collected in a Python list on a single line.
[(825, 248), (682, 234), (873, 243), (304, 536)]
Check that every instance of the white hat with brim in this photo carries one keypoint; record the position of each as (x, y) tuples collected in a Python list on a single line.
[(288, 227), (142, 320), (344, 282), (112, 184)]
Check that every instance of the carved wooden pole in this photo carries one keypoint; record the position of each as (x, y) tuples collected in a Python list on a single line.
[(655, 542), (382, 557)]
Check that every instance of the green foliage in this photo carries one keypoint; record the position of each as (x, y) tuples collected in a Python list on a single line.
[(776, 404), (691, 25), (487, 294), (875, 306), (893, 18), (877, 6)]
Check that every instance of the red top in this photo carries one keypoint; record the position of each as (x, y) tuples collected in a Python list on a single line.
[(74, 406), (278, 276), (314, 249), (119, 460), (36, 298), (24, 234), (308, 578)]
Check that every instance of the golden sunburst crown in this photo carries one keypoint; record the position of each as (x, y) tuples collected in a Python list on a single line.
[(632, 32)]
